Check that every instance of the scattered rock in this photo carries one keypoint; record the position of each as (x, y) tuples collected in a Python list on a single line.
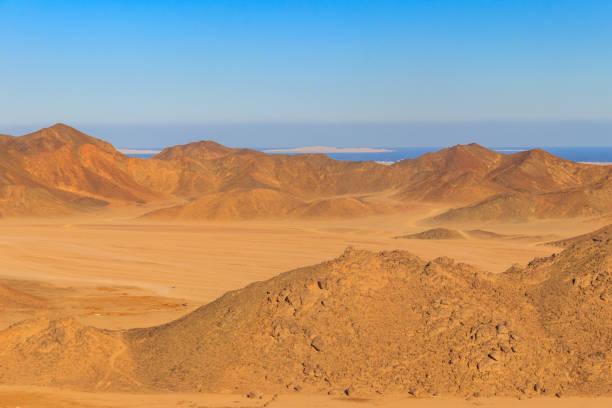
[(598, 356), (254, 395), (317, 343), (494, 355), (389, 328)]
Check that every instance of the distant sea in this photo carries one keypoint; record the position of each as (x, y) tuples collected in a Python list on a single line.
[(601, 154)]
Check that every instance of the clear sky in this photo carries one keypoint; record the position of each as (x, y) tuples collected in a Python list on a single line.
[(289, 73)]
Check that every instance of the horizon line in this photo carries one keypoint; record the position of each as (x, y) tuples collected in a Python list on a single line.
[(358, 150), (309, 122)]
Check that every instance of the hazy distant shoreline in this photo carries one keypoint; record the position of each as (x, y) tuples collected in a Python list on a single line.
[(598, 163), (387, 155)]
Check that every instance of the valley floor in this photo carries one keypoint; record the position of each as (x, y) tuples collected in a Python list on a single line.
[(160, 271), (117, 273), (40, 397)]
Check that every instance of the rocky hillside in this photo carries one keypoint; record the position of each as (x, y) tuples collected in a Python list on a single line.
[(574, 240), (363, 324), (587, 201), (59, 170)]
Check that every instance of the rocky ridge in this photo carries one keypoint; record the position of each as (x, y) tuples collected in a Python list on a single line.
[(365, 323)]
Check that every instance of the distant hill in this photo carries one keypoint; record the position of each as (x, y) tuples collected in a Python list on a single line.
[(198, 151), (232, 205), (435, 233), (262, 203), (590, 200), (59, 170)]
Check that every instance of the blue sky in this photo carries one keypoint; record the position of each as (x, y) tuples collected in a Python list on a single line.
[(287, 73)]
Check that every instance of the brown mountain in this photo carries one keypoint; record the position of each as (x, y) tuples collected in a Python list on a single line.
[(54, 138), (458, 174), (365, 323), (59, 170), (206, 167), (590, 200), (466, 173), (65, 158), (5, 139), (537, 171), (197, 151), (22, 195)]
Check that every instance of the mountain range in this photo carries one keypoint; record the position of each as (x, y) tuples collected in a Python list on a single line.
[(60, 171)]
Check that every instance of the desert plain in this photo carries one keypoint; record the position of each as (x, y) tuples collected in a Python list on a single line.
[(216, 277)]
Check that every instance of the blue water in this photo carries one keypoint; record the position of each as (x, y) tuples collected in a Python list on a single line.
[(583, 154), (580, 154), (142, 156)]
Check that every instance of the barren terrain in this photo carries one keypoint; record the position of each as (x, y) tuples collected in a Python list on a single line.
[(118, 274), (161, 277), (200, 262)]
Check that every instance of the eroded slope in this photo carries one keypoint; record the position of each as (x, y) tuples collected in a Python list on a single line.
[(363, 323)]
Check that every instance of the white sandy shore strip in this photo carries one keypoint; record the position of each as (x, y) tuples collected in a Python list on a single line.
[(328, 149), (139, 151), (598, 163)]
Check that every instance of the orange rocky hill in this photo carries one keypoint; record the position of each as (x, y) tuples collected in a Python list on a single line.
[(60, 170), (365, 323), (589, 200)]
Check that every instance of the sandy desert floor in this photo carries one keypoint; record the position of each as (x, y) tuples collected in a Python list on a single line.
[(116, 272), (39, 397), (132, 273)]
